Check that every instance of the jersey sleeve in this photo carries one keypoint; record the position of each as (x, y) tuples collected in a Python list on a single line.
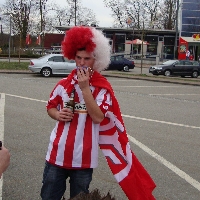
[(55, 100), (103, 100)]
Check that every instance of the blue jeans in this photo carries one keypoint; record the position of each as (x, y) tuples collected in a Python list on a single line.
[(54, 181)]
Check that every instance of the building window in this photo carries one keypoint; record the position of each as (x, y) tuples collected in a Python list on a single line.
[(153, 43), (110, 36), (168, 52), (120, 38), (120, 42), (152, 49), (169, 41)]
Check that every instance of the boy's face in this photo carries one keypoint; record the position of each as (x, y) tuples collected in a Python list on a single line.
[(84, 59)]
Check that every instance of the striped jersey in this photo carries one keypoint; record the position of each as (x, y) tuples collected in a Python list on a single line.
[(75, 144)]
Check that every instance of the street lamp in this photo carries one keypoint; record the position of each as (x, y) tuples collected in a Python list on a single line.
[(176, 28), (1, 26), (10, 15), (75, 12), (132, 43), (130, 22), (142, 45)]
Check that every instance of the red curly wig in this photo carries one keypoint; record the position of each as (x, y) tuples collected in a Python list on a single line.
[(78, 37)]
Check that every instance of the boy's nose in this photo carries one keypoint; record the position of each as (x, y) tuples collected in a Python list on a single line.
[(82, 62)]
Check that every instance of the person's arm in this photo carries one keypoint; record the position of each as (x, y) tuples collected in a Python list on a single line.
[(53, 106), (93, 109), (4, 160)]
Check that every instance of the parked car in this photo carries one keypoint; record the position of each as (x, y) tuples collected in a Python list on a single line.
[(120, 63), (52, 64), (177, 68)]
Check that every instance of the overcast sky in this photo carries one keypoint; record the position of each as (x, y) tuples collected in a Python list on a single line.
[(103, 14)]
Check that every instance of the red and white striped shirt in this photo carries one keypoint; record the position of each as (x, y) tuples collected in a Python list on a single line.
[(75, 144)]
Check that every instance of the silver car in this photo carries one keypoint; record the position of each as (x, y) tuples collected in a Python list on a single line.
[(52, 64)]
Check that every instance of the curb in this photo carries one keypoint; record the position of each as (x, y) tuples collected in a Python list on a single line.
[(13, 72), (163, 80)]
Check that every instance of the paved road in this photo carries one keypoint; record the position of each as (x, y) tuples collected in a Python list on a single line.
[(162, 120)]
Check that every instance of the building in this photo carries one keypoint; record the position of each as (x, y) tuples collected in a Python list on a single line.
[(189, 29), (160, 42), (190, 17)]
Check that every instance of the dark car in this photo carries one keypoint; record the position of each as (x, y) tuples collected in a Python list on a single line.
[(177, 68), (120, 63)]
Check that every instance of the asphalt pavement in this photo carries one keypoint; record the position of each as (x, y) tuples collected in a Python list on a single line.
[(161, 119)]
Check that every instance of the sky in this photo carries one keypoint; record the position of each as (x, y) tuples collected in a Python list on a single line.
[(103, 14)]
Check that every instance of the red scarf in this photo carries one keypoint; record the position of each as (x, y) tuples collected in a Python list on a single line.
[(127, 169)]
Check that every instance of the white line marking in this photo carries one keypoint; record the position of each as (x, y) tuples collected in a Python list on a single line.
[(162, 122), (149, 86), (28, 78), (121, 80), (174, 94), (2, 106), (169, 165), (163, 161), (27, 98)]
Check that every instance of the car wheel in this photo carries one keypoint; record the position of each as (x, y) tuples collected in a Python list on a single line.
[(46, 72), (167, 73), (195, 74), (126, 68), (183, 76)]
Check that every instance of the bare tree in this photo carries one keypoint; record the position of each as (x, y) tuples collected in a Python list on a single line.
[(41, 6), (33, 16), (77, 14), (152, 9), (168, 11), (119, 12), (86, 16), (135, 10), (19, 12)]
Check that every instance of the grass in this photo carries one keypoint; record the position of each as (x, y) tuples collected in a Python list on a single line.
[(14, 65)]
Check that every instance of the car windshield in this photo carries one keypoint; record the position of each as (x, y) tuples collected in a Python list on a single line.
[(42, 57), (196, 63), (70, 61), (169, 62), (56, 58)]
